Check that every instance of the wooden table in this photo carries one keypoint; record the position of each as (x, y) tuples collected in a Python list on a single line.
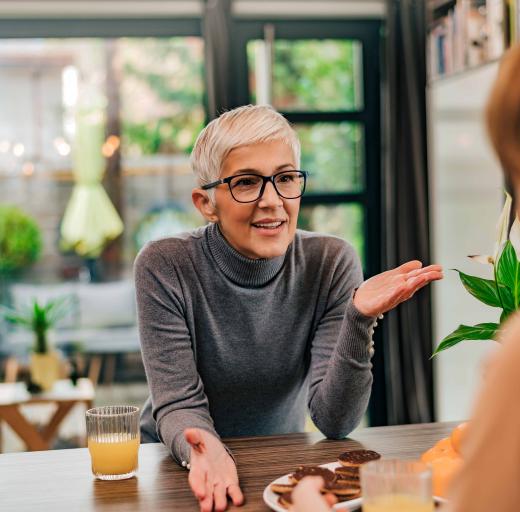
[(64, 395), (60, 480)]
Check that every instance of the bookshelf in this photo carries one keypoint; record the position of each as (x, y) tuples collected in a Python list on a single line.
[(467, 34)]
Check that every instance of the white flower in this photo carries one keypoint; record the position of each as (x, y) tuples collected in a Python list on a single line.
[(502, 227)]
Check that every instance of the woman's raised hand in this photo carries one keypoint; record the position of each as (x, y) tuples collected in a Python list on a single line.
[(213, 474), (385, 291)]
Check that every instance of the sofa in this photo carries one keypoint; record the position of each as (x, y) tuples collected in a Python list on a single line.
[(102, 317)]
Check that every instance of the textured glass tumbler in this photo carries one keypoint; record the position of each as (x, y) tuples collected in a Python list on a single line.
[(113, 441), (396, 486)]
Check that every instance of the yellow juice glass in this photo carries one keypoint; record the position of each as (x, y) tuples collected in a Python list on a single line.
[(396, 486), (113, 441)]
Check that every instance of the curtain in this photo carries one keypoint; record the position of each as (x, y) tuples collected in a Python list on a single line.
[(217, 48), (408, 329)]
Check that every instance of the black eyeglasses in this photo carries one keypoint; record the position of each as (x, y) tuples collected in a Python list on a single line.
[(247, 188)]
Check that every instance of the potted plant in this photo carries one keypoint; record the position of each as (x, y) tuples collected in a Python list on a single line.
[(40, 319), (20, 244), (501, 291), (20, 239)]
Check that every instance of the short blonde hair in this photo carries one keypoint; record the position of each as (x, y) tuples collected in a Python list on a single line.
[(242, 126), (503, 113)]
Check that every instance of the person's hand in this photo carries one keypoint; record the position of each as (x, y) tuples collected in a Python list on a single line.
[(385, 291), (213, 474), (306, 496)]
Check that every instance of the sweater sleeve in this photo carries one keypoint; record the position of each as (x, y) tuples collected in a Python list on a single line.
[(178, 398), (340, 373)]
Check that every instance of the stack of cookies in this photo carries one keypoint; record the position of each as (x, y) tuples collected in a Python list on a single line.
[(343, 482)]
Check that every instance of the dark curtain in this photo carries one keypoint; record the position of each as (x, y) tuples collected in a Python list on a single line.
[(408, 329), (216, 29)]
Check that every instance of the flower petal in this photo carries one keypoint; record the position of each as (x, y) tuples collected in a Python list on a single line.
[(485, 259), (502, 226)]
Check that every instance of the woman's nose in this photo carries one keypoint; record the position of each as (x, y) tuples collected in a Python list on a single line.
[(270, 197)]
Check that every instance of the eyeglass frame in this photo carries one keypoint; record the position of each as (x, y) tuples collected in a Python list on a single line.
[(265, 180)]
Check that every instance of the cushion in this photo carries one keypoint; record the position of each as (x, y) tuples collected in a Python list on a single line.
[(106, 304)]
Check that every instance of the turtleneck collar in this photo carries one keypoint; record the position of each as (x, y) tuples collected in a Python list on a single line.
[(239, 269)]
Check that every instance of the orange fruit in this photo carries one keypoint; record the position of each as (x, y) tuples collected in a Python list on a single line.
[(444, 470), (443, 448), (458, 435)]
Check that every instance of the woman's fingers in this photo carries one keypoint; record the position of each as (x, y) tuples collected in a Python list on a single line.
[(429, 268), (197, 481), (220, 497), (306, 496), (407, 267), (416, 282), (206, 503), (235, 493)]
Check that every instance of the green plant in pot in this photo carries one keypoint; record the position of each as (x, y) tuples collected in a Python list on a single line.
[(501, 291), (41, 319), (20, 239), (20, 245)]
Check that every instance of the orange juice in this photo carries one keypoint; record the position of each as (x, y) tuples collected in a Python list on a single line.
[(397, 503), (113, 458)]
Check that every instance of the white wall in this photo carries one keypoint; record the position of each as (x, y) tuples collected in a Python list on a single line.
[(466, 197)]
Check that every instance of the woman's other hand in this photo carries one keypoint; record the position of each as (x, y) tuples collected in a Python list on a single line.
[(306, 496), (213, 474), (385, 291)]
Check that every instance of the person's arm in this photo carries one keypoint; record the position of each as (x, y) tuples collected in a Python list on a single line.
[(179, 404), (491, 449), (177, 392), (341, 375)]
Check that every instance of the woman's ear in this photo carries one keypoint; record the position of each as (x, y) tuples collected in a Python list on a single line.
[(204, 204)]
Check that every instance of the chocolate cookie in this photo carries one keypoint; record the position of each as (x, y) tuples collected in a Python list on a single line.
[(343, 489), (285, 500), (282, 488), (304, 471), (347, 473), (357, 457)]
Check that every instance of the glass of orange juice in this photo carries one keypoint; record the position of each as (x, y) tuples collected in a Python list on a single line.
[(396, 486), (113, 441)]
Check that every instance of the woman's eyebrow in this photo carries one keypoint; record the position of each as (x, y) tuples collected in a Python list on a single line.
[(256, 171)]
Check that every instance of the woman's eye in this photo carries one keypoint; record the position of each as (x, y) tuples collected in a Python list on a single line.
[(245, 182)]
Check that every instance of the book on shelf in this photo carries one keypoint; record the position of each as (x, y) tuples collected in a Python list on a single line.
[(471, 33)]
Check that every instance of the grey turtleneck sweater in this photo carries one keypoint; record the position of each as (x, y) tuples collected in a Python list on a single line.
[(240, 347)]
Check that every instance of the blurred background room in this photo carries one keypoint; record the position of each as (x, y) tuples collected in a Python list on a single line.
[(101, 102)]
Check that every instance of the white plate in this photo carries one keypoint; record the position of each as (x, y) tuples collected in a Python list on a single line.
[(271, 498)]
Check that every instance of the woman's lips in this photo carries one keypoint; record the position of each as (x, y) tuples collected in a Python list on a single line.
[(269, 228)]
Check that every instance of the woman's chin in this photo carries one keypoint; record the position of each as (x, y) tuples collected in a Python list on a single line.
[(267, 249)]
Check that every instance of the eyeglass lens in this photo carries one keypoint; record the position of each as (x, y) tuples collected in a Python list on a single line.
[(247, 187)]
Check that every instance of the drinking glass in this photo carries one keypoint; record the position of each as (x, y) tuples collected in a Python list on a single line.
[(113, 441), (396, 486)]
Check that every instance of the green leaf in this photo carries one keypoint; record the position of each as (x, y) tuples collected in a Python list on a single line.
[(14, 316), (508, 272), (484, 331), (485, 290), (504, 316)]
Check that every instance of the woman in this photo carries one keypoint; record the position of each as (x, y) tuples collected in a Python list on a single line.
[(246, 322), (491, 473)]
